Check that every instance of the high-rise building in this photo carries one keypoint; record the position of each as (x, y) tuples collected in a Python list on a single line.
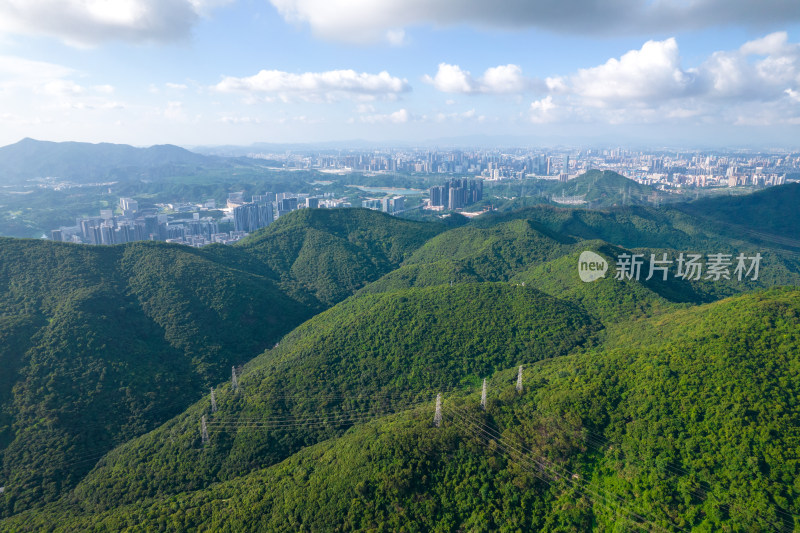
[(252, 216), (438, 196), (457, 198), (266, 197), (128, 205), (397, 204), (456, 193), (151, 227), (106, 233), (371, 203), (287, 204), (312, 203)]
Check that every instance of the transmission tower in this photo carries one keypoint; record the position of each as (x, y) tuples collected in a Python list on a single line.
[(519, 379), (483, 395), (437, 416), (234, 381), (203, 430), (213, 401)]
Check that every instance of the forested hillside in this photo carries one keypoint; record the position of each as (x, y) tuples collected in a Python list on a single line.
[(646, 403), (105, 343), (367, 355), (605, 188), (324, 255), (671, 426)]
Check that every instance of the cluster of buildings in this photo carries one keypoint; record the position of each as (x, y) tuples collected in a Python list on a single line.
[(136, 224), (390, 204), (265, 208), (183, 224), (668, 168), (456, 194), (489, 164)]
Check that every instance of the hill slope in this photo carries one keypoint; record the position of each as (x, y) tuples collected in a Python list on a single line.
[(119, 339), (104, 343), (367, 355), (770, 216), (107, 343), (472, 254), (324, 255), (685, 422), (605, 188)]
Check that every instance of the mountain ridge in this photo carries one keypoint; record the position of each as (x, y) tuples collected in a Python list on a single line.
[(83, 162)]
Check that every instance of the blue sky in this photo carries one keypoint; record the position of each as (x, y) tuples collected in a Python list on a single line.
[(205, 72)]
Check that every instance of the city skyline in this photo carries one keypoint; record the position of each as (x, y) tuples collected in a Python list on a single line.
[(193, 72)]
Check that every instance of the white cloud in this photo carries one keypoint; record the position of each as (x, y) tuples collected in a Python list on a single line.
[(760, 69), (456, 117), (396, 37), (451, 79), (90, 22), (176, 86), (175, 111), (316, 86), (369, 21), (653, 72), (400, 116), (16, 72), (754, 84), (235, 119), (542, 111), (61, 88), (556, 84), (504, 79), (496, 80), (48, 87)]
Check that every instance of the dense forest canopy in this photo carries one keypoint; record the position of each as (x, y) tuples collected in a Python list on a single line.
[(645, 403)]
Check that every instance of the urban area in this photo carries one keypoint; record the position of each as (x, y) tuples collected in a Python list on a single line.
[(183, 223)]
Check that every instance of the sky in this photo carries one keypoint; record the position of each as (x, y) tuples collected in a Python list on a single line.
[(540, 72)]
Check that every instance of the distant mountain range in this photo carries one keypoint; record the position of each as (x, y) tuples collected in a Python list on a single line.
[(85, 162)]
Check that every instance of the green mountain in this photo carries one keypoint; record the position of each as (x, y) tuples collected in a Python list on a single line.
[(540, 246), (669, 426), (85, 162), (470, 254), (368, 355), (119, 339), (605, 188), (328, 254), (770, 216), (105, 343), (608, 299), (646, 404)]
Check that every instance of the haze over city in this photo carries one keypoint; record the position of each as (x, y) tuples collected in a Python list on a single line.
[(205, 72)]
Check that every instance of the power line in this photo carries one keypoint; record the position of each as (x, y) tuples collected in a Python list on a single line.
[(531, 464)]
